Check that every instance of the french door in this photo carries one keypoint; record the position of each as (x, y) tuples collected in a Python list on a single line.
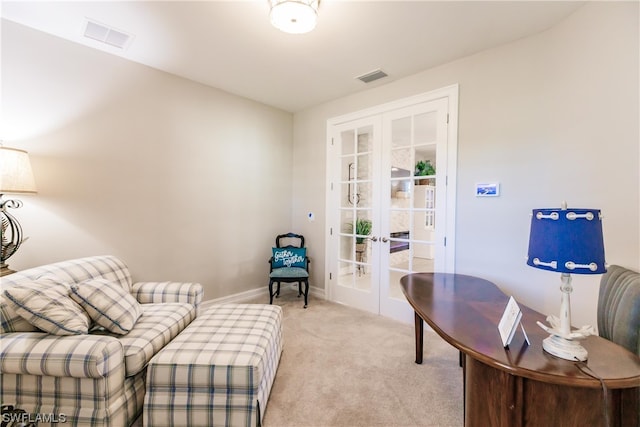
[(383, 220)]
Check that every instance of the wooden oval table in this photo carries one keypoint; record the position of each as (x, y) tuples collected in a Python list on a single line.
[(521, 385)]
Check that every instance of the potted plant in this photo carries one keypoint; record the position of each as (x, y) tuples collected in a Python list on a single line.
[(424, 168), (362, 228)]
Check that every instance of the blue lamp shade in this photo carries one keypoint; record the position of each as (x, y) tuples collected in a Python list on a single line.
[(567, 241)]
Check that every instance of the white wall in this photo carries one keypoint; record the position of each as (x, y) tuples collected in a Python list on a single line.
[(551, 117), (182, 181)]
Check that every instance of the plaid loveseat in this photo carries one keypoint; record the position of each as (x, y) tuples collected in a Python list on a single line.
[(95, 379)]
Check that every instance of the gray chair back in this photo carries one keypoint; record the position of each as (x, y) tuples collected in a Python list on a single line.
[(619, 307)]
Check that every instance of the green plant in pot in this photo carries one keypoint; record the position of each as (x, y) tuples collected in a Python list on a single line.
[(363, 227), (424, 168)]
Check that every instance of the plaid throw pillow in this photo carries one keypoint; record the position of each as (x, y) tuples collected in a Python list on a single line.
[(108, 304), (45, 304), (10, 321)]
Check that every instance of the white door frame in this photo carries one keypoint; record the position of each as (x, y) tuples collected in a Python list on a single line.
[(449, 92)]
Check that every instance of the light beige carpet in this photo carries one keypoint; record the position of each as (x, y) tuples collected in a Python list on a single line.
[(345, 367)]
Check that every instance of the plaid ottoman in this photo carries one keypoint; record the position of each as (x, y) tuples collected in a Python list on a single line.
[(218, 371)]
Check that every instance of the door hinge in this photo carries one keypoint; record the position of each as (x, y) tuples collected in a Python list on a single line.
[(447, 118), (332, 140), (330, 231), (332, 186), (445, 242), (330, 276)]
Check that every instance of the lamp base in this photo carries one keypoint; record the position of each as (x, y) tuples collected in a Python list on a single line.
[(564, 348), (563, 342), (565, 345)]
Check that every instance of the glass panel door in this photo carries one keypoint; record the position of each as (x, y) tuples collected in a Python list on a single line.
[(387, 201), (414, 167), (357, 278)]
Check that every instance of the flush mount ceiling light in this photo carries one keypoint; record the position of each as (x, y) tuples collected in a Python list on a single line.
[(294, 16)]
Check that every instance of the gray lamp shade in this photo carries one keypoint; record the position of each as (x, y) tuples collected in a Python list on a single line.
[(567, 241)]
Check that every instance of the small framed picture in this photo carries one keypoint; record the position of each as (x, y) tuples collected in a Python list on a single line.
[(488, 189)]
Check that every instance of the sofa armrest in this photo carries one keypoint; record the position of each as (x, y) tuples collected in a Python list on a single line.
[(78, 356), (159, 292)]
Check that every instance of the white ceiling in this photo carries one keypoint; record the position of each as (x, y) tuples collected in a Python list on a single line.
[(232, 46)]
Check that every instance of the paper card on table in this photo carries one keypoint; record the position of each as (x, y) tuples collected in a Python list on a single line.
[(509, 321)]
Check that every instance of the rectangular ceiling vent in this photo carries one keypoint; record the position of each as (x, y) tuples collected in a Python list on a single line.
[(372, 76), (106, 34)]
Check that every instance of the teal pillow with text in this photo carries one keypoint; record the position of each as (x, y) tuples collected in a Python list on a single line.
[(289, 257)]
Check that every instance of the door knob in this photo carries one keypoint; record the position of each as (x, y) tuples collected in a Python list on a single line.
[(374, 239), (385, 240)]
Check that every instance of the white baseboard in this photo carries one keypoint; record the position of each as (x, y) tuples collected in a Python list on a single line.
[(263, 291)]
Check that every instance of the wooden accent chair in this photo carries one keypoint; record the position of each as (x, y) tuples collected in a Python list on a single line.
[(289, 264)]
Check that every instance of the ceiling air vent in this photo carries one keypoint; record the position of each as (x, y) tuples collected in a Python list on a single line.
[(372, 76), (108, 35)]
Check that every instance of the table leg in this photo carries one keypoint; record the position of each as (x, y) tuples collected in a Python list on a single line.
[(419, 327)]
